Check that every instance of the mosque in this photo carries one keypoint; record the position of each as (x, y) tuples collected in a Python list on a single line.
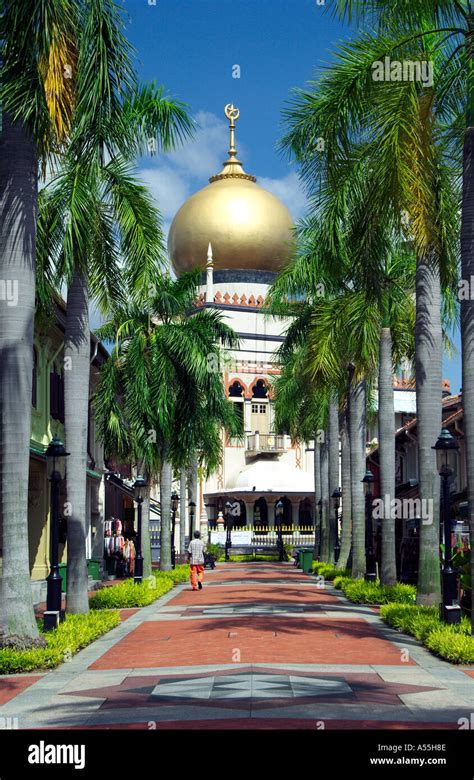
[(242, 235)]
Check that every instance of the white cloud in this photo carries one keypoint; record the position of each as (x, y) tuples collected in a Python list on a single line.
[(203, 156), (168, 186), (173, 177), (290, 191)]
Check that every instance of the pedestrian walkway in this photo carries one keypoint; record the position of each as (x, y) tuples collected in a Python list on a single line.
[(262, 646)]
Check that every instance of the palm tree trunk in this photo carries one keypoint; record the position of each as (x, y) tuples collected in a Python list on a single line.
[(467, 315), (182, 511), (165, 502), (357, 445), (76, 409), (324, 555), (18, 210), (428, 362), (193, 494), (317, 496), (333, 441), (386, 422), (346, 495), (146, 542)]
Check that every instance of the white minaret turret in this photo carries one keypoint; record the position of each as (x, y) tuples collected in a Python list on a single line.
[(210, 275)]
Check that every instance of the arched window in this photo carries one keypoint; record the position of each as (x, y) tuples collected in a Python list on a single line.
[(260, 389), (305, 513), (260, 513), (287, 519), (236, 390)]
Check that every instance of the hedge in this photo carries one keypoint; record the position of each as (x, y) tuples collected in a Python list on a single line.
[(129, 594), (74, 633), (363, 592), (453, 643), (328, 570)]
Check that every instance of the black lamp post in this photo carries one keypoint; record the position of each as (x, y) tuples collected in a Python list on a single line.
[(450, 610), (337, 495), (320, 522), (228, 525), (192, 511), (174, 509), (370, 568), (139, 490), (54, 613), (279, 517)]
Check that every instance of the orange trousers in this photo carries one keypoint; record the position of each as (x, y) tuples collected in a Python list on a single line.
[(196, 574)]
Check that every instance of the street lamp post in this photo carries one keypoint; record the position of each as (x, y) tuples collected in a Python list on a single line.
[(318, 546), (370, 567), (279, 517), (450, 609), (139, 490), (337, 495), (192, 510), (54, 613), (174, 509), (228, 525)]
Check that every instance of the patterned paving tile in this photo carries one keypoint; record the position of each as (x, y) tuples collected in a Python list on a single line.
[(266, 688)]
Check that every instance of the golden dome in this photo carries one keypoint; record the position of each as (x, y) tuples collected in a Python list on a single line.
[(248, 227)]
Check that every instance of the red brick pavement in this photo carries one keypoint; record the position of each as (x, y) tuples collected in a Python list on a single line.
[(11, 686), (273, 724), (255, 595), (259, 639)]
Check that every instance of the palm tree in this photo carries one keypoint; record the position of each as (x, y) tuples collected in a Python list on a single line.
[(36, 45), (346, 535), (449, 23), (333, 468), (97, 216), (156, 398), (388, 133)]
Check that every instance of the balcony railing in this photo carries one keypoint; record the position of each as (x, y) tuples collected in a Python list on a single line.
[(265, 442)]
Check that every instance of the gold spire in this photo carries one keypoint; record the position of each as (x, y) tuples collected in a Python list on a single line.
[(232, 167)]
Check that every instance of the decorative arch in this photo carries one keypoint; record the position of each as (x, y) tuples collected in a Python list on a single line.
[(260, 513), (287, 518), (234, 382), (259, 388), (305, 513)]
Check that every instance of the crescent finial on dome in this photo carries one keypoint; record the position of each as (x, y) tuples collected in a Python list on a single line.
[(232, 167)]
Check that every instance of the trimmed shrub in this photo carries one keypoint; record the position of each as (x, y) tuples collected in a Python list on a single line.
[(128, 594), (362, 592), (76, 632), (340, 580), (453, 643), (217, 551), (329, 571), (179, 574), (411, 619)]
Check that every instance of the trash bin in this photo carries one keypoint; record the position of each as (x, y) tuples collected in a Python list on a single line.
[(93, 568), (63, 573), (306, 561)]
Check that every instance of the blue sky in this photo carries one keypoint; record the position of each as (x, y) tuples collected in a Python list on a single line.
[(191, 46)]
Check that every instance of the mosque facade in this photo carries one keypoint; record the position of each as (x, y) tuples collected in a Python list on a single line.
[(241, 235)]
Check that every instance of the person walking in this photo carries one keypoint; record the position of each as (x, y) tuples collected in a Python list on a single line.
[(196, 551)]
